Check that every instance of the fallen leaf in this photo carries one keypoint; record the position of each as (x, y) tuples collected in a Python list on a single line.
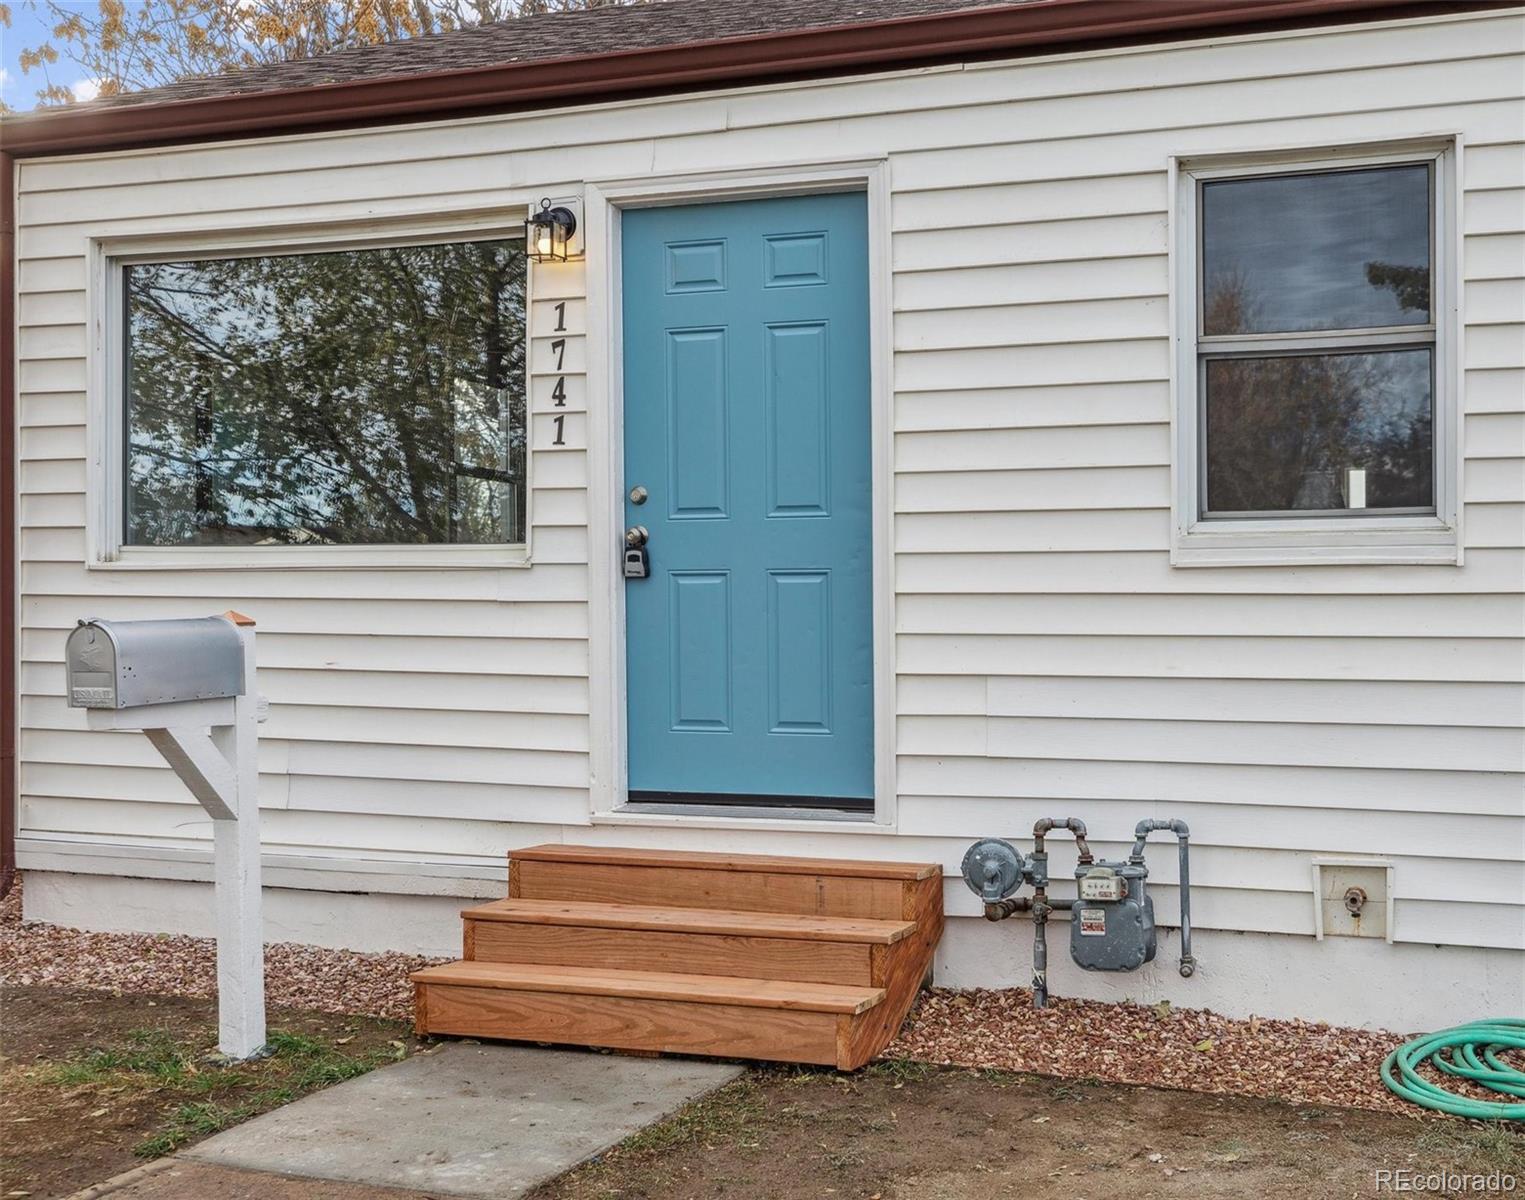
[(1041, 1120), (1205, 1045), (1162, 1009)]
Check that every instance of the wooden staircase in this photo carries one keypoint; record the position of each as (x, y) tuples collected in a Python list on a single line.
[(737, 956)]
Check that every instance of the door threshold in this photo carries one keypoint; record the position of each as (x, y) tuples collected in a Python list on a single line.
[(752, 812)]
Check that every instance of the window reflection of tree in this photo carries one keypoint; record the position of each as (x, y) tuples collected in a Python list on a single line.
[(1283, 429), (369, 396)]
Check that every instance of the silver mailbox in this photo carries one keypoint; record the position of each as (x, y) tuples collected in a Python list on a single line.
[(124, 664)]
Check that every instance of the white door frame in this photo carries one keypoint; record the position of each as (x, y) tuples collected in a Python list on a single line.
[(604, 202)]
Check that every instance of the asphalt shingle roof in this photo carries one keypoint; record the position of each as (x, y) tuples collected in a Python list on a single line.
[(632, 27)]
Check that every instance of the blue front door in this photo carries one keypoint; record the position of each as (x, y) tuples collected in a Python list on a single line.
[(749, 646)]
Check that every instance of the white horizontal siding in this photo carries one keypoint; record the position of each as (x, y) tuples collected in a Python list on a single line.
[(1035, 490), (1434, 748), (1049, 659), (293, 720), (1481, 616), (1126, 572)]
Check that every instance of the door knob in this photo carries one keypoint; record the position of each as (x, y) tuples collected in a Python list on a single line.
[(636, 535)]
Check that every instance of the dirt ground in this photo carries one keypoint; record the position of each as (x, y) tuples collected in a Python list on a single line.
[(905, 1131), (95, 1083)]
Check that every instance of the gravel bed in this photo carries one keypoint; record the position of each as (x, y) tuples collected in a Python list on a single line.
[(1192, 1049), (296, 976)]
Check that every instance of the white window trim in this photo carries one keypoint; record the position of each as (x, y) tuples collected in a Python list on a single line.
[(605, 202), (1330, 540), (106, 402)]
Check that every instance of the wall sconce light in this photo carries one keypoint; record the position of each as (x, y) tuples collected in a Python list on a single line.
[(548, 233)]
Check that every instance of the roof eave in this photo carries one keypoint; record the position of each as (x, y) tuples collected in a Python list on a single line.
[(1038, 26)]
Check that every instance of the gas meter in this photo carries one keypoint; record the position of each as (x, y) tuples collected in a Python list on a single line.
[(1112, 915), (1112, 923)]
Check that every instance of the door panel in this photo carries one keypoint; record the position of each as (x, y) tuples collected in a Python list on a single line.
[(796, 408), (799, 651), (749, 646), (699, 641), (698, 463)]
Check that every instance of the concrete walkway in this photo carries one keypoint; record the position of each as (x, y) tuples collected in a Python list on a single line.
[(180, 1179), (461, 1120)]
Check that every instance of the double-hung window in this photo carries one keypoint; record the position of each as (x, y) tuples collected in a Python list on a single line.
[(1313, 360), (358, 404)]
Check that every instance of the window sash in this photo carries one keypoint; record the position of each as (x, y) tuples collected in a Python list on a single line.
[(1296, 514), (1266, 344), (1284, 170), (118, 538), (1219, 347)]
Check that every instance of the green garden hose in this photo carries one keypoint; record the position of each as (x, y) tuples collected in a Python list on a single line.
[(1470, 1052)]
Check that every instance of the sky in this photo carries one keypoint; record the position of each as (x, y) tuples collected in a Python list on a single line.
[(28, 29)]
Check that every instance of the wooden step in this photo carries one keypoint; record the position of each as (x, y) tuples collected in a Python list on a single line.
[(645, 1010), (745, 882), (787, 959), (794, 926), (689, 940), (627, 856), (656, 985)]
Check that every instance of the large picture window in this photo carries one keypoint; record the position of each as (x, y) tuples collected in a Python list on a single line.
[(1312, 380), (370, 396)]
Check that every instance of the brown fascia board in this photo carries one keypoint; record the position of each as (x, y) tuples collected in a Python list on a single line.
[(1038, 26)]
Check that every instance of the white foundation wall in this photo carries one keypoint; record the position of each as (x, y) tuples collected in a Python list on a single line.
[(370, 922), (1048, 658), (1238, 974), (1344, 981)]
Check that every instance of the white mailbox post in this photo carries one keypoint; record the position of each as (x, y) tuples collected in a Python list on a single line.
[(175, 681)]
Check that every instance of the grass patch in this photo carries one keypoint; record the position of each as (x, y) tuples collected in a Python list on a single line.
[(295, 1065), (193, 1120), (205, 1093), (729, 1114), (901, 1070), (997, 1077), (1476, 1145), (151, 1054)]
